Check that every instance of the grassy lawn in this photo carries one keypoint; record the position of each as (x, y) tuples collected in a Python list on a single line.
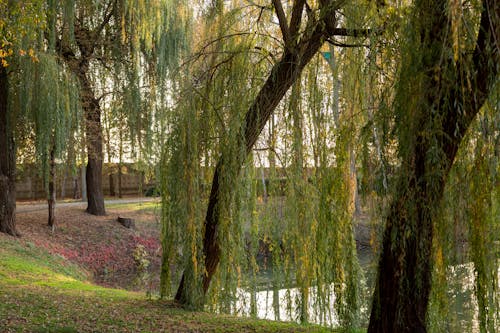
[(147, 206), (40, 292)]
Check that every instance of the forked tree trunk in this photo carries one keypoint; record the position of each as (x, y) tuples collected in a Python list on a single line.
[(403, 285), (7, 162), (52, 190)]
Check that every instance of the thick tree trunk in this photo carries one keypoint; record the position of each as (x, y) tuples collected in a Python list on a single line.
[(52, 191), (7, 162), (95, 195), (405, 268), (283, 74), (85, 39), (93, 132)]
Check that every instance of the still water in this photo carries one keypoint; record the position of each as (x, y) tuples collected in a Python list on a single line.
[(460, 304)]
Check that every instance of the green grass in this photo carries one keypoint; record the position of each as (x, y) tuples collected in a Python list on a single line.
[(147, 206), (44, 293)]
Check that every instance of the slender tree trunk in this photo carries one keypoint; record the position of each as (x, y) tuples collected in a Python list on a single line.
[(120, 164), (120, 193), (83, 181), (52, 191), (111, 184), (7, 162), (405, 268), (63, 183)]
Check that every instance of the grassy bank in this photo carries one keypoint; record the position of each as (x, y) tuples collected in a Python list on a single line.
[(40, 292)]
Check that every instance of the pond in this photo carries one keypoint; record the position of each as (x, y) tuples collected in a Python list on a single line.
[(461, 306)]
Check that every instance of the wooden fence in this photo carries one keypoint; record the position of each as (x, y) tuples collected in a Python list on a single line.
[(30, 184)]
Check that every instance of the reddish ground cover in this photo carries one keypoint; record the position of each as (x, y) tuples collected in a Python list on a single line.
[(100, 244)]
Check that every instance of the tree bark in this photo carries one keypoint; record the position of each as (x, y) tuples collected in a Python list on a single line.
[(405, 268), (93, 132), (283, 74), (79, 65), (7, 162)]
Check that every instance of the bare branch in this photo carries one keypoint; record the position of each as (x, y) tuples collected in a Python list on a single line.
[(285, 31), (339, 44), (259, 6)]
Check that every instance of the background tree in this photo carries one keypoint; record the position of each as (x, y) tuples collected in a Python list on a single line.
[(99, 37)]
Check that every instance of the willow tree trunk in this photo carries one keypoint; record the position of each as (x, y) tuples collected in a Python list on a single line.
[(283, 74), (441, 117), (80, 66), (93, 134), (7, 162)]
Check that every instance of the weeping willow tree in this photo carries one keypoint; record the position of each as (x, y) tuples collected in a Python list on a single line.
[(46, 110), (51, 110), (444, 81), (103, 40), (19, 23), (224, 242)]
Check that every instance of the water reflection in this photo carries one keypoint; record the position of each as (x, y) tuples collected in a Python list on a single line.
[(284, 304)]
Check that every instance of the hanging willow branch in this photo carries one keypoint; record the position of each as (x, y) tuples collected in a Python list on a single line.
[(296, 55)]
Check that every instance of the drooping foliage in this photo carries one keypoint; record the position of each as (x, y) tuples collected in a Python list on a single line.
[(53, 110), (121, 52), (325, 161), (286, 218), (20, 24), (433, 110)]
